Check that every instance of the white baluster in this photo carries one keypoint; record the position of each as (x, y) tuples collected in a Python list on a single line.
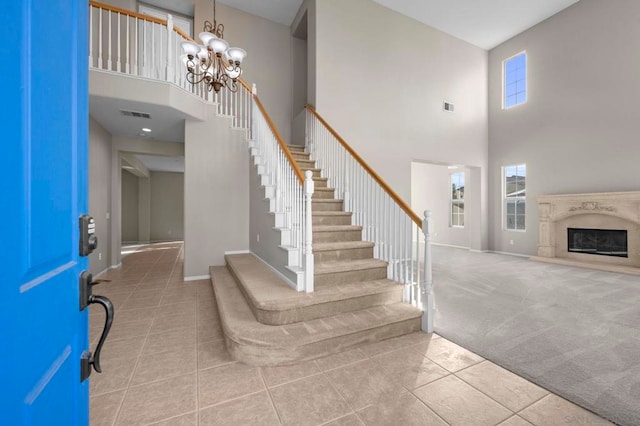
[(109, 52), (118, 62), (100, 59), (134, 57), (308, 250), (428, 305), (91, 36), (153, 69), (170, 72), (127, 58)]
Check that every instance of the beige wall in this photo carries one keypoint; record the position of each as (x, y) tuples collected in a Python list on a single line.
[(381, 79), (129, 212), (216, 197), (100, 194), (167, 206), (268, 62), (578, 130)]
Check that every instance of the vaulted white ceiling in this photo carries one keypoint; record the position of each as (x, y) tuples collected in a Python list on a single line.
[(484, 23)]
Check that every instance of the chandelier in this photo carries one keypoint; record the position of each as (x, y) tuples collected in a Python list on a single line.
[(213, 63)]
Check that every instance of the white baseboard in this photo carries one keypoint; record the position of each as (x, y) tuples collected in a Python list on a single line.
[(237, 252), (506, 253), (278, 273), (107, 269), (197, 278), (449, 245), (479, 251)]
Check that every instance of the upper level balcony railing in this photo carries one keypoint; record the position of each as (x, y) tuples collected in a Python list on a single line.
[(127, 42)]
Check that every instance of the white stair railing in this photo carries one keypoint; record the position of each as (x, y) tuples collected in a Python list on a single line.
[(385, 218), (290, 191), (127, 42)]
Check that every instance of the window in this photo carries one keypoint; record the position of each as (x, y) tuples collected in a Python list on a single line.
[(515, 191), (457, 199), (514, 77)]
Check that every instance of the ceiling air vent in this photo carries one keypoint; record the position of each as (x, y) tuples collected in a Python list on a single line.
[(448, 106), (135, 114)]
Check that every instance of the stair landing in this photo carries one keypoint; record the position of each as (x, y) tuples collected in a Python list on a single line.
[(273, 302), (255, 343)]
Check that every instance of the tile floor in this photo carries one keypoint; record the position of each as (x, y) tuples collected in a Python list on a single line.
[(165, 363)]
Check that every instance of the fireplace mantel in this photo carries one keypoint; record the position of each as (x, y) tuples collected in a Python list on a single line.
[(609, 210)]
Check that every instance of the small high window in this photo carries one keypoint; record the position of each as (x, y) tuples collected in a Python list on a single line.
[(457, 199), (514, 76), (514, 195)]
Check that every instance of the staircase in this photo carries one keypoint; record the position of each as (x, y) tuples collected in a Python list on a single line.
[(341, 257), (266, 322)]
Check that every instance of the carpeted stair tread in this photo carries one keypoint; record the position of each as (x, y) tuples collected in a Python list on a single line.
[(348, 265), (330, 213), (336, 228), (341, 245), (327, 200), (255, 343), (275, 302)]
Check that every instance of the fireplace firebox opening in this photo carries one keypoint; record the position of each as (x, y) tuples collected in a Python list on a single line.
[(604, 242)]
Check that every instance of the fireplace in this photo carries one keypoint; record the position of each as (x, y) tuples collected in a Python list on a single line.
[(604, 242), (593, 230)]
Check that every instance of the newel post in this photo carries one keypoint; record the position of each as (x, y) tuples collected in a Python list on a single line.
[(170, 71), (308, 232), (428, 305)]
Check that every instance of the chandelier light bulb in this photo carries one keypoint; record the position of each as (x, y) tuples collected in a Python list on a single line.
[(236, 55), (203, 54), (205, 36), (190, 48), (218, 45)]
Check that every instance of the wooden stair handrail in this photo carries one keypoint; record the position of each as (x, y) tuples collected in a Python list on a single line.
[(403, 205), (151, 19), (283, 145)]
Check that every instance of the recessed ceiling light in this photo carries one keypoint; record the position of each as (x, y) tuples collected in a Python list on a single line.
[(146, 129)]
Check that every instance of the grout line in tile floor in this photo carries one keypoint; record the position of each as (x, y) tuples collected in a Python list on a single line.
[(341, 417), (172, 417), (197, 355), (273, 403), (126, 391), (536, 401), (235, 398), (425, 404), (338, 392)]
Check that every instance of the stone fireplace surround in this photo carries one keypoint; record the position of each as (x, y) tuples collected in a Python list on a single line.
[(608, 210)]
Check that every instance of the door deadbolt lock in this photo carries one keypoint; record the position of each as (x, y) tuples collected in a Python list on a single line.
[(88, 237)]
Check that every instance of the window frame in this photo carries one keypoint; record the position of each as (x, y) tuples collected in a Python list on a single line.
[(457, 202), (506, 199), (504, 80)]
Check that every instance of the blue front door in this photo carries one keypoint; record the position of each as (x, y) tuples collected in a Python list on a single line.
[(43, 191)]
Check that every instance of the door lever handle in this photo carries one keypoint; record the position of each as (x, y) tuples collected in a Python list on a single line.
[(108, 307), (87, 298)]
